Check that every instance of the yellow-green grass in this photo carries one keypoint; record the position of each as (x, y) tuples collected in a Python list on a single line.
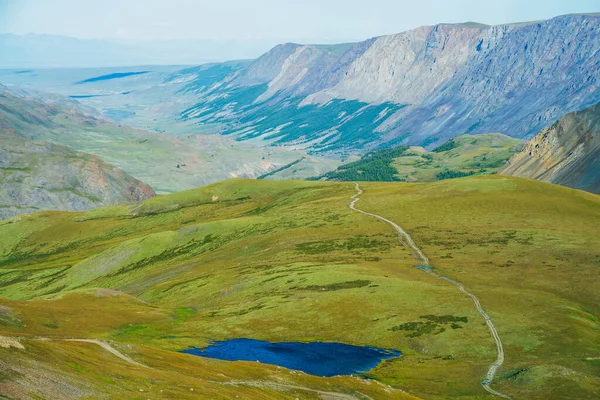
[(59, 369), (530, 252), (477, 154), (288, 261)]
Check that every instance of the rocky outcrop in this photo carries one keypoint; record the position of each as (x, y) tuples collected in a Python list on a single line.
[(567, 153)]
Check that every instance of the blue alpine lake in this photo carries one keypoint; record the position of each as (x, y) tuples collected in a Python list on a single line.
[(315, 358)]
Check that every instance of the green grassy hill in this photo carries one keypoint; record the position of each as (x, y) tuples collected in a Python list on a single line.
[(461, 156), (289, 261)]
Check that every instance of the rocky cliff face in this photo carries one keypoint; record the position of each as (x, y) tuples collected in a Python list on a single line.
[(443, 80), (407, 67), (567, 153), (522, 80), (291, 70)]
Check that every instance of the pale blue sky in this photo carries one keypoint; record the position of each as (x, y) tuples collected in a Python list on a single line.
[(282, 20)]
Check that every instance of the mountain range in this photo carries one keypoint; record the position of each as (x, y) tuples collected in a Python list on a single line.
[(42, 50), (314, 106), (420, 87)]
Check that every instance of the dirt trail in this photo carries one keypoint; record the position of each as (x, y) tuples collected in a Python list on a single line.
[(102, 344), (282, 386), (407, 240)]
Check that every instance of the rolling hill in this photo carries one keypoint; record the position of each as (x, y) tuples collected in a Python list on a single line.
[(567, 153), (289, 261), (461, 156)]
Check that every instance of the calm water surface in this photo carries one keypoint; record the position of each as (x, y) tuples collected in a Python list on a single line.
[(315, 358)]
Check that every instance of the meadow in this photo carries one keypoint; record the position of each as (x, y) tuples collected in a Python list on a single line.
[(289, 261), (465, 155)]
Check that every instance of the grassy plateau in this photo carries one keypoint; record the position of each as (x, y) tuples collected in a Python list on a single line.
[(289, 261)]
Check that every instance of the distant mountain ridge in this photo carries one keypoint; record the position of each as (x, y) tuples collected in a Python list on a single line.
[(41, 50), (428, 85), (416, 88), (567, 153)]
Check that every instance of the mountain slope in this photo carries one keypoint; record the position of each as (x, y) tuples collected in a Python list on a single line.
[(37, 175), (168, 163), (567, 153), (42, 176), (289, 261), (419, 87)]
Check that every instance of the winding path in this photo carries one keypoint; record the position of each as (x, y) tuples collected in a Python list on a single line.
[(100, 343), (280, 386), (110, 349), (407, 240)]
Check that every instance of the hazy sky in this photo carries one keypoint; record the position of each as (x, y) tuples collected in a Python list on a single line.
[(282, 20)]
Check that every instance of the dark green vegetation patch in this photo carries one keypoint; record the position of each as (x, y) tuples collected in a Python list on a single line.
[(375, 166), (449, 145), (353, 243), (449, 174), (337, 286), (433, 324), (336, 125), (281, 169)]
